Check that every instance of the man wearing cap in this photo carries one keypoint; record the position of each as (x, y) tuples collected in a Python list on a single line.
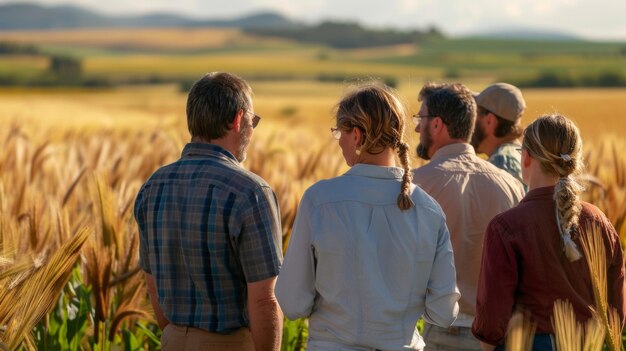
[(470, 190), (498, 126)]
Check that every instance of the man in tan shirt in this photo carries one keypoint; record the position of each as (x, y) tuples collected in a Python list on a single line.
[(470, 190)]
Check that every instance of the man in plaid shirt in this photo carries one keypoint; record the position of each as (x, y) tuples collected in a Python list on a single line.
[(210, 236)]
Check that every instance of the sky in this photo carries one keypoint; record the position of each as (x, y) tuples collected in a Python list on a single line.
[(589, 19)]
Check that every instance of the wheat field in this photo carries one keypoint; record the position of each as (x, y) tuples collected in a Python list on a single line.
[(138, 38), (72, 162)]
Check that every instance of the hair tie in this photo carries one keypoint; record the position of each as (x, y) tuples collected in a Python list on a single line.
[(566, 157)]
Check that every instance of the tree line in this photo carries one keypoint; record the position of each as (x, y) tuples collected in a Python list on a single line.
[(346, 35)]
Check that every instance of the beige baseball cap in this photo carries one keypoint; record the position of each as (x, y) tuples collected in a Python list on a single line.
[(504, 100)]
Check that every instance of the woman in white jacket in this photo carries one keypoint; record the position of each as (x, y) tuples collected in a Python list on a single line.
[(370, 252)]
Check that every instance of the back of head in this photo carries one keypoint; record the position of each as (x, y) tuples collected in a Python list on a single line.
[(213, 102), (555, 142), (378, 113), (454, 104), (503, 100)]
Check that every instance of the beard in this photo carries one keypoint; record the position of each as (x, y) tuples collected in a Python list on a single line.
[(478, 136), (246, 133), (424, 145)]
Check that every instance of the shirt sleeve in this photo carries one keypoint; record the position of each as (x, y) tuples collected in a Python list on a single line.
[(260, 239), (140, 217), (442, 294), (615, 273), (295, 288), (497, 283)]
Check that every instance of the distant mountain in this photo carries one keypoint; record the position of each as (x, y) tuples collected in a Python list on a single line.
[(34, 16), (525, 34), (31, 16), (344, 35), (259, 20)]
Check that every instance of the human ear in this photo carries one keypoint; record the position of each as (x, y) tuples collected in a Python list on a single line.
[(492, 121), (237, 121), (438, 125), (358, 136)]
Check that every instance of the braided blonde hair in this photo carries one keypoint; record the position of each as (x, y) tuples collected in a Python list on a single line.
[(555, 142), (379, 114)]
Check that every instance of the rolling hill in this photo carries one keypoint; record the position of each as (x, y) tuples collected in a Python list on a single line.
[(21, 16)]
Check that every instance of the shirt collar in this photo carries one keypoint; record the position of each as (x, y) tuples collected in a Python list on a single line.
[(505, 146), (206, 149), (372, 171), (453, 150), (543, 193)]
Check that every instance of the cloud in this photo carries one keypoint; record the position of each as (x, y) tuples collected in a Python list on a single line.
[(591, 18)]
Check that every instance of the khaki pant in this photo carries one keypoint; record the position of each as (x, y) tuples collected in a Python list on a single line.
[(449, 339), (177, 338)]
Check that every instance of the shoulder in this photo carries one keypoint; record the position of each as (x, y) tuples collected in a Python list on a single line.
[(208, 172), (499, 160), (592, 218), (427, 173), (591, 211), (251, 179), (509, 222), (423, 200), (325, 190), (501, 177), (591, 214)]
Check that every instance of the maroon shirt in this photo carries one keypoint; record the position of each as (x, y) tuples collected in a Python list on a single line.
[(524, 267)]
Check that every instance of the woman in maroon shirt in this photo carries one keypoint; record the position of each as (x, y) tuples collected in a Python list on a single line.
[(532, 253)]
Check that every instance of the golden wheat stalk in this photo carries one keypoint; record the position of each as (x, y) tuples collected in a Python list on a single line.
[(595, 253), (594, 334), (567, 331), (614, 329), (72, 187), (520, 334), (29, 301)]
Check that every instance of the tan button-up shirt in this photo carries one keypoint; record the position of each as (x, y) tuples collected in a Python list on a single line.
[(471, 191)]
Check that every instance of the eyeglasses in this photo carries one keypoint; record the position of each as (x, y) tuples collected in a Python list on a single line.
[(335, 132), (417, 118), (255, 119)]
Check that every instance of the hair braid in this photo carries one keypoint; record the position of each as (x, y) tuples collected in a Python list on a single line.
[(404, 199), (568, 209)]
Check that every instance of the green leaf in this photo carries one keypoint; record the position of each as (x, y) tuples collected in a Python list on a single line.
[(130, 341), (146, 331)]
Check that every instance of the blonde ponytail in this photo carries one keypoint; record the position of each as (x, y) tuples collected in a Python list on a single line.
[(555, 142)]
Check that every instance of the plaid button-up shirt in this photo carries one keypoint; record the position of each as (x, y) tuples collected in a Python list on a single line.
[(207, 228)]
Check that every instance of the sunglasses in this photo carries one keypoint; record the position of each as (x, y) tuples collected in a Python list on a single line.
[(255, 120)]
